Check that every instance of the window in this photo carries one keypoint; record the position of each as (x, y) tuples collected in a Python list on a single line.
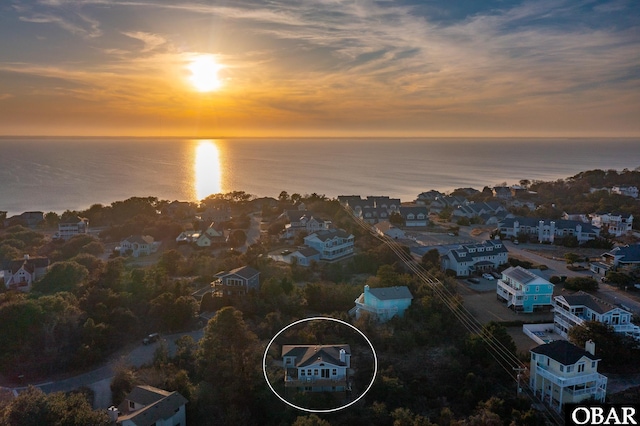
[(562, 368), (302, 372), (593, 364), (334, 372), (569, 368), (315, 372), (581, 367), (132, 404)]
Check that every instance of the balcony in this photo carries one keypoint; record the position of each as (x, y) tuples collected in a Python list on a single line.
[(599, 379), (290, 382)]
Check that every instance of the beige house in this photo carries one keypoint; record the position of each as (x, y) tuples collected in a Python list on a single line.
[(20, 274), (138, 245), (147, 405)]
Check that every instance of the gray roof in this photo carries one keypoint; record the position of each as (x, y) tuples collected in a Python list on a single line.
[(140, 239), (405, 210), (489, 247), (391, 293), (583, 299), (245, 272), (327, 234), (628, 253), (29, 264), (307, 251), (312, 354), (563, 352), (161, 409), (560, 223), (520, 274)]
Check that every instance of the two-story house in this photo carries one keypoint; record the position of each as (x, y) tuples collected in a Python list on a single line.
[(524, 291), (546, 231), (332, 244), (302, 221), (383, 303), (414, 216), (629, 191), (20, 274), (138, 245), (622, 258), (316, 368), (72, 227), (467, 259), (148, 405), (616, 224), (214, 234), (575, 309), (563, 373), (236, 282)]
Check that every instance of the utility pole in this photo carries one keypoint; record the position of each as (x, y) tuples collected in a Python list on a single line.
[(519, 376)]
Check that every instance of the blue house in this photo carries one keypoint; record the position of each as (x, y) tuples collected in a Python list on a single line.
[(383, 303), (524, 291)]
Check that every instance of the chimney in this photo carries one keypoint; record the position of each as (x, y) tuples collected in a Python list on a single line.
[(26, 257), (366, 289), (343, 355), (590, 347), (113, 413)]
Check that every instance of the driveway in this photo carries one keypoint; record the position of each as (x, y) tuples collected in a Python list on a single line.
[(100, 379)]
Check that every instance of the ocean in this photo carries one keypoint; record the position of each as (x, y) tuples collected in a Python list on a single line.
[(58, 174)]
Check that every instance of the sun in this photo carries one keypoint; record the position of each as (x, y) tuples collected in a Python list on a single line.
[(204, 73)]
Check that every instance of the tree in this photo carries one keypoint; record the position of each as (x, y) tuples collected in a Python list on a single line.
[(284, 196), (237, 238), (310, 420), (431, 258), (572, 258), (122, 383), (619, 279), (62, 276), (581, 283)]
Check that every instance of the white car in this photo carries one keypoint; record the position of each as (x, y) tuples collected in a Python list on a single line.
[(487, 276)]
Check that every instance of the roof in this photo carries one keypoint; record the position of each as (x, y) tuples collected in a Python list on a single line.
[(559, 223), (29, 264), (583, 299), (521, 275), (328, 234), (391, 293), (628, 253), (564, 352), (405, 210), (245, 272), (472, 251), (313, 354), (307, 251), (160, 405), (139, 239)]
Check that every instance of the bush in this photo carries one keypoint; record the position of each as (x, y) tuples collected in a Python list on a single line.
[(554, 279), (581, 283)]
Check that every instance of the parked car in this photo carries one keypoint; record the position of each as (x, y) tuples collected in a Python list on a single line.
[(474, 280), (487, 276), (496, 275), (153, 337), (516, 242)]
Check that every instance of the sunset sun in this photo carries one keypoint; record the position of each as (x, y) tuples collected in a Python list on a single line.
[(204, 73)]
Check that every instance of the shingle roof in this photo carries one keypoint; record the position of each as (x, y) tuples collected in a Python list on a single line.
[(162, 408), (29, 264), (140, 239), (245, 272), (563, 352), (327, 234), (489, 248), (307, 251), (391, 293), (520, 274), (583, 299), (628, 253), (313, 354), (560, 223)]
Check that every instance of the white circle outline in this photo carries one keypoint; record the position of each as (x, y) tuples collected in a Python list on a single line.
[(309, 410)]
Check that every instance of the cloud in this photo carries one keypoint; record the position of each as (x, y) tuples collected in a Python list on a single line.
[(151, 41), (79, 24)]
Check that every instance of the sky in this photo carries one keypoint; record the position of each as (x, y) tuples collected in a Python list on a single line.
[(320, 68)]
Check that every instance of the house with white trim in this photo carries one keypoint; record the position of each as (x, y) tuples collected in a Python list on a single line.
[(414, 216), (71, 227), (138, 245), (621, 258), (317, 368), (468, 259), (383, 303), (236, 282), (332, 244), (616, 224), (388, 229), (629, 191), (148, 405), (21, 274), (524, 291), (562, 373), (547, 230), (573, 310)]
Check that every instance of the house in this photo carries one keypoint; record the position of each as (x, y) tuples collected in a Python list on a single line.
[(302, 256), (383, 303), (302, 221), (452, 201), (501, 192), (373, 209), (21, 274), (629, 191), (188, 237), (138, 245), (391, 231), (414, 216), (317, 368), (547, 230), (623, 258), (218, 213), (147, 405), (577, 216), (29, 219), (214, 234), (468, 259), (471, 210), (524, 291), (616, 224), (180, 210), (332, 244), (426, 198), (72, 227), (563, 373), (239, 281), (575, 309)]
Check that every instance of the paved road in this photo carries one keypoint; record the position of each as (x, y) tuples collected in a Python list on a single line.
[(100, 378)]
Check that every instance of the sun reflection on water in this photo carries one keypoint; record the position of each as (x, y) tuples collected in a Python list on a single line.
[(207, 170)]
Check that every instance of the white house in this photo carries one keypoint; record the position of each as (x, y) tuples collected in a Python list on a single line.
[(302, 256), (547, 230), (563, 373), (72, 227), (238, 281), (316, 368), (302, 221), (332, 244), (575, 309), (414, 216), (20, 274), (524, 291), (147, 405), (629, 191), (138, 245), (623, 258), (391, 231), (214, 234), (467, 259), (383, 303), (616, 224)]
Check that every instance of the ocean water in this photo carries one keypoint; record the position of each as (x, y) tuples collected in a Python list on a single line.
[(56, 174)]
